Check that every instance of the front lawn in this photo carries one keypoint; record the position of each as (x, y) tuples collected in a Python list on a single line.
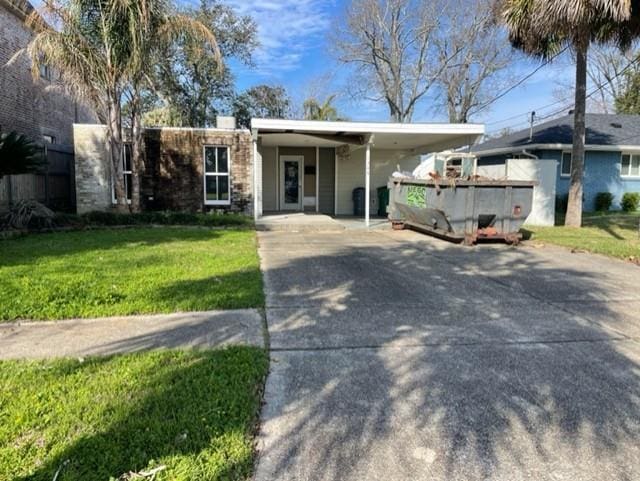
[(614, 234), (98, 419), (128, 271)]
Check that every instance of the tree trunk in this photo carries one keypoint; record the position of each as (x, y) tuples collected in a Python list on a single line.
[(137, 164), (114, 144), (574, 204)]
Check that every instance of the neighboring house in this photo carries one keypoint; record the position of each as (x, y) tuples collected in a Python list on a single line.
[(278, 166), (32, 108), (612, 159)]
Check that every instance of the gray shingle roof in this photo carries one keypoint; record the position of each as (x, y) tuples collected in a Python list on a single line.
[(602, 129)]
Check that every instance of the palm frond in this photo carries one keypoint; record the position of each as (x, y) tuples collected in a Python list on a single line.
[(543, 27)]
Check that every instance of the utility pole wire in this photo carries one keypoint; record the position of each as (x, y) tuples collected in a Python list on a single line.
[(569, 106)]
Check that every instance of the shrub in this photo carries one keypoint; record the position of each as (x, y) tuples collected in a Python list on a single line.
[(63, 219), (109, 218), (19, 155), (182, 218), (166, 218), (28, 214), (36, 217), (630, 201), (604, 200)]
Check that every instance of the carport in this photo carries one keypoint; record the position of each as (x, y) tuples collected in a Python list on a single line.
[(314, 166)]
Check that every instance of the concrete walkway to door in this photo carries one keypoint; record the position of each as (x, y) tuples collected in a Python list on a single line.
[(315, 222), (396, 356)]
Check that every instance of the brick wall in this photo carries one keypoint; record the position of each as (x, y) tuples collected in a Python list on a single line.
[(32, 108), (173, 177), (175, 169)]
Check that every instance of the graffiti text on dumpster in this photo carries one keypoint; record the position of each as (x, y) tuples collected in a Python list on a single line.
[(417, 196)]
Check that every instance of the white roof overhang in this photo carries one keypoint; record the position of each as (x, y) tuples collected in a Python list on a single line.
[(421, 138)]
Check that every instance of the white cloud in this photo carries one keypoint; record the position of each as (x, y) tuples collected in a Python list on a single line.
[(286, 30)]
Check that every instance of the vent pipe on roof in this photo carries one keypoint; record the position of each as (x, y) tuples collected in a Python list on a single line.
[(532, 119)]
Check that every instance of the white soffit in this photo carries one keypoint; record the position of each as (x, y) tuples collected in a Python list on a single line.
[(385, 135)]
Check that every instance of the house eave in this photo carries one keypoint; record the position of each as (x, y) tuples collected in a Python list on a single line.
[(316, 126), (530, 147)]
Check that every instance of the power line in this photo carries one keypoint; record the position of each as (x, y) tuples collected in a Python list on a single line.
[(521, 81), (537, 109), (566, 107), (571, 105)]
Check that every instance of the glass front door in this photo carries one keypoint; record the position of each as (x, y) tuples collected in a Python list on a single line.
[(291, 183)]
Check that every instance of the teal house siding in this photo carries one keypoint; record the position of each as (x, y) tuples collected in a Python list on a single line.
[(601, 174)]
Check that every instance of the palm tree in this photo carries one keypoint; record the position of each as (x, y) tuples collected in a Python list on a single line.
[(314, 110), (153, 24), (19, 155), (87, 49), (104, 49), (544, 27)]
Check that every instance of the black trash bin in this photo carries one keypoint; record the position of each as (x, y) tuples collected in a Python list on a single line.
[(358, 201)]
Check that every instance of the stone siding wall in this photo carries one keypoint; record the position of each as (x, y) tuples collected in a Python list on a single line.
[(93, 171)]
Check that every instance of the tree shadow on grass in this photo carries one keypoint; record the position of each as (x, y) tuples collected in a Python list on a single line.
[(432, 361), (190, 411)]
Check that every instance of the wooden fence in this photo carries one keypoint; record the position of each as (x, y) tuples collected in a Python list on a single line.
[(54, 188)]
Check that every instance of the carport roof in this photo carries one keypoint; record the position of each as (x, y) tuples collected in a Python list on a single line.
[(419, 136)]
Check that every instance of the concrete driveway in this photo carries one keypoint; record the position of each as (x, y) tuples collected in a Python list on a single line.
[(399, 357)]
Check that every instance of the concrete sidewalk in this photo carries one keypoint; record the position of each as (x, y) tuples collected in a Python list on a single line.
[(83, 337)]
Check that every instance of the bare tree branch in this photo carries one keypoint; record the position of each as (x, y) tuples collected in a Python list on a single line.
[(483, 57), (390, 44)]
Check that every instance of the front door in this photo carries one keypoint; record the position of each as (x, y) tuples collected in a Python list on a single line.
[(291, 194)]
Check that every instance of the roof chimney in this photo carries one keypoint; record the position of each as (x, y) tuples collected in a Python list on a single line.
[(223, 122)]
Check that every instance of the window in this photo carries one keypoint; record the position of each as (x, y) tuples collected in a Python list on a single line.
[(216, 176), (45, 70), (630, 165), (126, 173), (565, 168), (48, 139)]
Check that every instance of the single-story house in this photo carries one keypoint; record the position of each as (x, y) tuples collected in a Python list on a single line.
[(278, 165), (612, 158)]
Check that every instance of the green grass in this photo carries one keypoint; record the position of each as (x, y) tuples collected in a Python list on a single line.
[(128, 271), (612, 233), (193, 412)]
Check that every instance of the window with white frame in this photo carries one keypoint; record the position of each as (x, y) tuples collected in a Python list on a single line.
[(217, 189), (565, 165), (45, 72), (630, 165), (127, 173)]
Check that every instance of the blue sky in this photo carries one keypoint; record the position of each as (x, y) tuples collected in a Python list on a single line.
[(295, 52)]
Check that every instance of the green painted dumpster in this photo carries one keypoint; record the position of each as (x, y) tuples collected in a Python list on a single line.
[(383, 200), (461, 210)]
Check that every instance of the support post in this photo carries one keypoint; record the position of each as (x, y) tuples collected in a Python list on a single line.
[(367, 183), (317, 179), (257, 178)]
